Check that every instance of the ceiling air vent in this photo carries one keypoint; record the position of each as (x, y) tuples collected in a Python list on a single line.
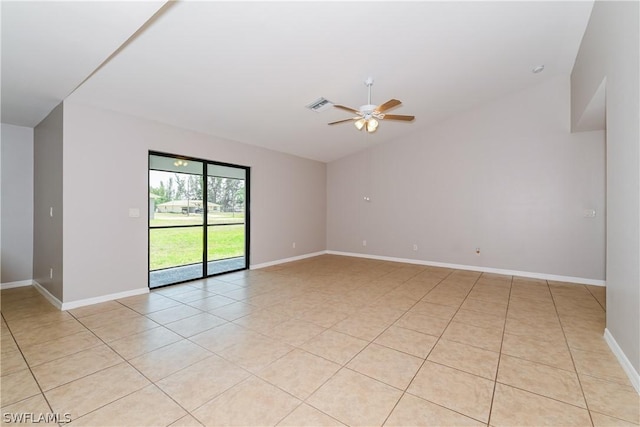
[(319, 105)]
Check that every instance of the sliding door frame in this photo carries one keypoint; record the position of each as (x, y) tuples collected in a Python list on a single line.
[(204, 176)]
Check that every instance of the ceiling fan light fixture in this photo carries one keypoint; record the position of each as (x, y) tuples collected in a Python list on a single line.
[(372, 125), (359, 124)]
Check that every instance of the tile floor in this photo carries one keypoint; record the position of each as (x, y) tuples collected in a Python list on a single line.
[(324, 341)]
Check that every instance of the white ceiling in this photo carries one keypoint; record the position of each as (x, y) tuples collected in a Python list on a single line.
[(245, 70), (49, 48)]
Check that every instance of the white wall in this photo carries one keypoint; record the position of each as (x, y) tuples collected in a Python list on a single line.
[(507, 177), (610, 48), (17, 204), (47, 195), (105, 174)]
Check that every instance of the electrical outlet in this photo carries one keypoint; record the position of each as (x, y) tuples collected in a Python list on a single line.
[(364, 243), (293, 245), (50, 272), (415, 247)]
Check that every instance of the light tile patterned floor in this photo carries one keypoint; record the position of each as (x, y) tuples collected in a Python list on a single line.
[(325, 341)]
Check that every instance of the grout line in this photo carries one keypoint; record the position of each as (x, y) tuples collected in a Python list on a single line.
[(504, 330), (553, 300)]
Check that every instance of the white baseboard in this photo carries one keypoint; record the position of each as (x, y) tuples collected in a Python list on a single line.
[(110, 297), (89, 301), (529, 274), (285, 260), (633, 375), (45, 293), (18, 284)]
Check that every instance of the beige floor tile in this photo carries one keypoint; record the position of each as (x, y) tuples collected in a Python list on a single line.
[(210, 377), (450, 299), (421, 323), (551, 382), (96, 390), (102, 319), (49, 318), (542, 331), (295, 332), (222, 337), (256, 353), (212, 302), (612, 399), (413, 411), (144, 342), (459, 391), (186, 421), (48, 332), (191, 296), (360, 327), (250, 403), (483, 320), (498, 308), (335, 346), (170, 291), (434, 310), (407, 340), (8, 344), (145, 407), (61, 371), (305, 415), (325, 315), (234, 311), (37, 354), (120, 329), (473, 360), (291, 354), (513, 407), (601, 365), (488, 339), (164, 361), (553, 352), (34, 407), (261, 321), (600, 420), (148, 303), (172, 314), (535, 292), (95, 309), (195, 324), (33, 313), (387, 365), (12, 362), (355, 399), (299, 373), (18, 386)]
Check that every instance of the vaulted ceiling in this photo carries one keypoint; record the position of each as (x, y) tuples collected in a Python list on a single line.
[(245, 70)]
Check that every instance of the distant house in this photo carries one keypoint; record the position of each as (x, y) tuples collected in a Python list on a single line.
[(186, 207)]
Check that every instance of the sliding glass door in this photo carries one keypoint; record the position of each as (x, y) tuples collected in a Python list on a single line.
[(188, 237)]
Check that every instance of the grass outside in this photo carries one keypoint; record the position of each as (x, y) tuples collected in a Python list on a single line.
[(171, 247), (164, 219)]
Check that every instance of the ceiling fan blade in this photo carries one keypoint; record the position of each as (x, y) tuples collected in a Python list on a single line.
[(398, 117), (387, 105), (345, 120), (342, 107)]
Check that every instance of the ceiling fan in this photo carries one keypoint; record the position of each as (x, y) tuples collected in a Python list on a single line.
[(368, 115)]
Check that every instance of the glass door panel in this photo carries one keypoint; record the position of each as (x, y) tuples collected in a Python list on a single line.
[(188, 237), (226, 223), (176, 220)]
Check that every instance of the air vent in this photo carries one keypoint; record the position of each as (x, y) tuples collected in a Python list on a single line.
[(319, 105)]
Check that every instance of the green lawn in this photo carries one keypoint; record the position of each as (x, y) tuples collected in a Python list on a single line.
[(170, 247), (163, 219)]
